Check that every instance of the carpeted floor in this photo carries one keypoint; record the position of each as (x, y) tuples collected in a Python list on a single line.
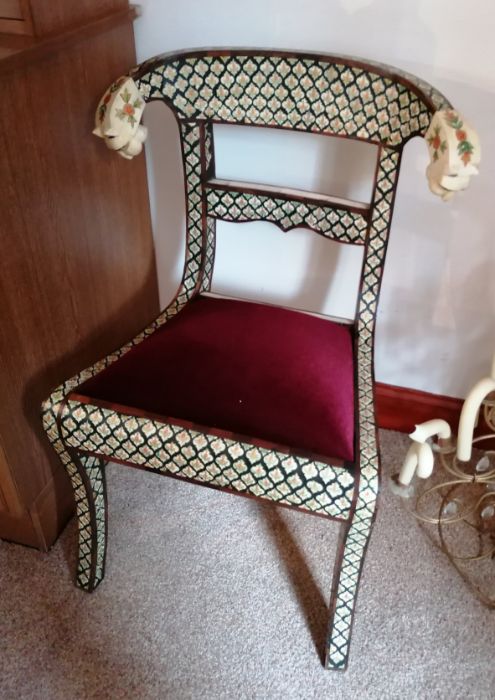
[(209, 595)]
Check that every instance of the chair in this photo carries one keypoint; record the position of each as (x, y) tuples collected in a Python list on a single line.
[(247, 397)]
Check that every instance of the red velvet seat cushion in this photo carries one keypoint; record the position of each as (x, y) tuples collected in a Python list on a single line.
[(257, 370)]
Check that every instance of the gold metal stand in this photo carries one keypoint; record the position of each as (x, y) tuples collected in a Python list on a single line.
[(456, 509)]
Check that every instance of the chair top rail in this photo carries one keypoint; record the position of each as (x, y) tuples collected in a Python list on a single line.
[(322, 93)]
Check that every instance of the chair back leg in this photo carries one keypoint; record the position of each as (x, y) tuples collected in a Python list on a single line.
[(352, 547)]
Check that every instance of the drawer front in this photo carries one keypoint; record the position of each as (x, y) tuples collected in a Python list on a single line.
[(11, 9), (15, 17)]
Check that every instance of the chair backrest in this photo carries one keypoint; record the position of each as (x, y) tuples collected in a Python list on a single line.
[(329, 95)]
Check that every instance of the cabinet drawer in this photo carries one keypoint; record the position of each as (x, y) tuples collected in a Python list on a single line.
[(15, 17), (11, 9)]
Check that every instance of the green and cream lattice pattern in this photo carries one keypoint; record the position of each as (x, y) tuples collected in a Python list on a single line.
[(306, 94), (368, 469), (214, 460), (336, 224), (325, 95)]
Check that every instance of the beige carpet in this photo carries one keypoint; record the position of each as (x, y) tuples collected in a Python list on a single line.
[(209, 595)]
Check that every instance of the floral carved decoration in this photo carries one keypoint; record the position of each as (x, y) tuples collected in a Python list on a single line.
[(464, 147), (128, 109), (437, 143), (103, 106)]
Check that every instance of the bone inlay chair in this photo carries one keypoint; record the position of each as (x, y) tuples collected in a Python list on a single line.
[(251, 398)]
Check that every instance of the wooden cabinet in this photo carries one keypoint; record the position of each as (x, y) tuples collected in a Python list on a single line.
[(77, 269), (42, 17)]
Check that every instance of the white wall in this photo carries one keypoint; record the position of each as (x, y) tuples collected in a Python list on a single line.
[(436, 325)]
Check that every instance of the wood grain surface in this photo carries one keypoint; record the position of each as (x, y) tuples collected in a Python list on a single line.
[(77, 266)]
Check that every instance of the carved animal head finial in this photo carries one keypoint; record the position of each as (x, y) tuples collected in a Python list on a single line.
[(117, 118), (454, 153)]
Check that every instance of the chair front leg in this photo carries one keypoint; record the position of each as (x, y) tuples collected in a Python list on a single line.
[(89, 486), (347, 573)]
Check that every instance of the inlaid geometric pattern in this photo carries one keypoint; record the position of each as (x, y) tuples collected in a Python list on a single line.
[(209, 236), (191, 149), (209, 256), (90, 505), (362, 519), (193, 268), (286, 478), (329, 95), (303, 93), (336, 224), (209, 152)]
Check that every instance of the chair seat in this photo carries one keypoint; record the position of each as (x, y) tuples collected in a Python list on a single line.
[(255, 370)]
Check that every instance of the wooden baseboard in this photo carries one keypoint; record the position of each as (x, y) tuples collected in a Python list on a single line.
[(400, 408)]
